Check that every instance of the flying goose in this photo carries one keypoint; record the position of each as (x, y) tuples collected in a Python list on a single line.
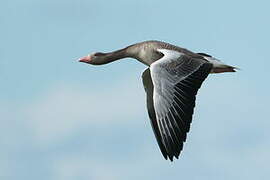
[(171, 82)]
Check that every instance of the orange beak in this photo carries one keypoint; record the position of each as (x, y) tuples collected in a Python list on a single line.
[(85, 59)]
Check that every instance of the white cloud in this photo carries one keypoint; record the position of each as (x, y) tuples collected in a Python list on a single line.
[(64, 109), (229, 132), (71, 167)]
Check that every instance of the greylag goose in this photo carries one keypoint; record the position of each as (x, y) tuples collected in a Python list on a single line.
[(171, 82)]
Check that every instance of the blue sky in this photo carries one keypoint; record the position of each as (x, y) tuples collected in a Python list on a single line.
[(61, 119)]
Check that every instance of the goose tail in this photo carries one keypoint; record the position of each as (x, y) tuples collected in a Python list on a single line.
[(218, 66)]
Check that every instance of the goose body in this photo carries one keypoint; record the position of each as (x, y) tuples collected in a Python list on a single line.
[(171, 82)]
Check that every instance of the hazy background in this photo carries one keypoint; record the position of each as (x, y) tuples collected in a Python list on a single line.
[(64, 120)]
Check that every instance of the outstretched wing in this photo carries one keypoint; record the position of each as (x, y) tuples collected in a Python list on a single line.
[(171, 85)]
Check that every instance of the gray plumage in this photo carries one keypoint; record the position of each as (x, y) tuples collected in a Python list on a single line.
[(171, 83)]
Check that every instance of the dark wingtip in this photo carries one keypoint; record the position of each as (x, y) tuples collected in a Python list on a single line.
[(165, 156)]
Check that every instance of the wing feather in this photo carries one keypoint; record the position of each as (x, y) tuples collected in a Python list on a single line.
[(171, 85)]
